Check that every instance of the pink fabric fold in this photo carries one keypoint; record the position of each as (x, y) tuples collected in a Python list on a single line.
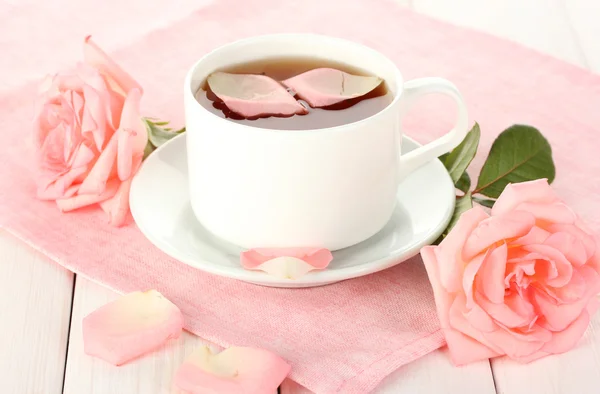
[(344, 337)]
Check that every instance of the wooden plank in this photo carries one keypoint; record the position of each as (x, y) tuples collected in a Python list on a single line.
[(577, 371), (433, 373), (584, 16), (538, 24), (151, 374), (35, 307)]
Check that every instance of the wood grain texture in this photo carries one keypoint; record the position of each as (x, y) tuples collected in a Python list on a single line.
[(539, 24), (583, 16), (435, 373), (150, 374), (35, 307)]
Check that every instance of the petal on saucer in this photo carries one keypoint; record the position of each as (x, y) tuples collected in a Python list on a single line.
[(285, 267), (234, 370), (323, 87), (288, 263), (253, 96), (319, 258), (131, 326)]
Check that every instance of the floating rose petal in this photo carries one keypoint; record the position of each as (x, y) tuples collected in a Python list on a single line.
[(234, 370), (288, 263), (323, 87), (131, 326), (254, 96)]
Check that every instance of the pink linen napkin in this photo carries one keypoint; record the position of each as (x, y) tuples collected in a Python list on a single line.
[(348, 336)]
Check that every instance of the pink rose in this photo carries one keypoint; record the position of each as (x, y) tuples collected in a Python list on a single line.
[(89, 136), (521, 282)]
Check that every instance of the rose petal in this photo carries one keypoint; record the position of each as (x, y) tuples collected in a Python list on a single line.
[(585, 237), (323, 87), (448, 254), (464, 348), (318, 258), (572, 248), (253, 96), (565, 340), (132, 136), (536, 235), (95, 119), (285, 267), (513, 346), (103, 169), (556, 212), (97, 58), (469, 274), (571, 292), (84, 200), (53, 187), (490, 279), (551, 264), (234, 370), (557, 316), (131, 326), (117, 206), (458, 322), (503, 313), (497, 229), (514, 194)]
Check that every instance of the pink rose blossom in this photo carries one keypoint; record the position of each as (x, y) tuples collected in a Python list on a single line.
[(89, 136), (520, 282)]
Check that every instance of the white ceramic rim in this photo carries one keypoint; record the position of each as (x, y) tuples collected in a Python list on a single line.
[(399, 80)]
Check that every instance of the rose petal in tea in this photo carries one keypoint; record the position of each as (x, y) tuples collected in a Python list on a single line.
[(287, 263), (131, 326), (253, 96), (323, 87), (234, 370)]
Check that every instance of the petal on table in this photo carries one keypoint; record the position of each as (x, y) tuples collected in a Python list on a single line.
[(131, 326), (253, 96), (234, 370), (323, 87)]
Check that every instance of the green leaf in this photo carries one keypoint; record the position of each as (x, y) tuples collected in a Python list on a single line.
[(463, 204), (464, 183), (148, 149), (484, 201), (459, 159), (519, 154), (158, 135)]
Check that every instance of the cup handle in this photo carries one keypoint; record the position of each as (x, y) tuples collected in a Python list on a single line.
[(416, 88)]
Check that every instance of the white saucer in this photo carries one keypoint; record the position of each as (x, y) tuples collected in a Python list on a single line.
[(160, 206)]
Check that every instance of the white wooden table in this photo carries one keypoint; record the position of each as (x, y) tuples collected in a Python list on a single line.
[(42, 304)]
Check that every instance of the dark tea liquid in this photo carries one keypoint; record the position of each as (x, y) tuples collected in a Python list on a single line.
[(342, 113)]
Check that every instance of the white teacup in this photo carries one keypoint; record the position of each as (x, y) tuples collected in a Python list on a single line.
[(331, 187)]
